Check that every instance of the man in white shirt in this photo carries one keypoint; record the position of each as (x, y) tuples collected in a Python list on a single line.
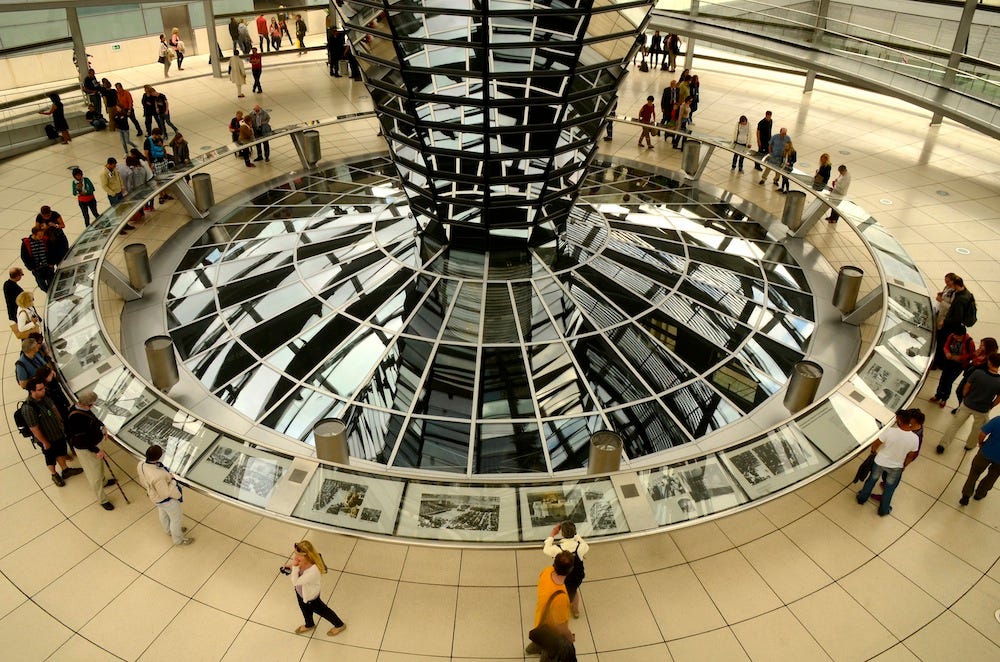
[(839, 190), (893, 450)]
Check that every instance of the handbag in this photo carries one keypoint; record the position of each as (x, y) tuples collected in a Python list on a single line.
[(161, 59), (818, 184), (556, 647)]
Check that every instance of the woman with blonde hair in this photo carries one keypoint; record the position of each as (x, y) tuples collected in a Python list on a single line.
[(177, 44), (28, 319), (822, 176), (306, 569), (788, 158)]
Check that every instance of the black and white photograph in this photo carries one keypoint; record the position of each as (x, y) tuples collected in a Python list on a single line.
[(911, 307), (223, 456), (908, 343), (687, 491), (773, 462), (120, 397), (255, 475), (545, 506), (182, 436), (885, 378), (240, 470), (339, 497), (457, 512), (550, 507), (69, 278), (463, 512), (351, 500)]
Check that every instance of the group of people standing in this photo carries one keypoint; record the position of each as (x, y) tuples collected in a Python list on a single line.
[(657, 46), (245, 128), (269, 34)]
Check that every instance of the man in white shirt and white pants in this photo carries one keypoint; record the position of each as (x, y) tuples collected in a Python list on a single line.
[(839, 190), (894, 450)]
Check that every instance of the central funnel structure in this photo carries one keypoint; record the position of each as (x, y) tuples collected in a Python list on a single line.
[(492, 109)]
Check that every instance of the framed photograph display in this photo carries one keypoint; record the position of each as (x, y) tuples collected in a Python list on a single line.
[(352, 501), (592, 506), (885, 378), (79, 350), (182, 436), (690, 490), (120, 397), (455, 512), (911, 307), (93, 239), (907, 343), (240, 470), (773, 462), (838, 426)]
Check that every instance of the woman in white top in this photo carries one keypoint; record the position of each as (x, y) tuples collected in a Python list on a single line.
[(28, 319), (166, 55), (573, 543), (741, 138), (307, 568)]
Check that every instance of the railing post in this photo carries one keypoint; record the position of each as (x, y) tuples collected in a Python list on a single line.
[(957, 51)]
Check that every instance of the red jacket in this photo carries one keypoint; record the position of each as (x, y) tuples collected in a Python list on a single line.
[(255, 64), (262, 25)]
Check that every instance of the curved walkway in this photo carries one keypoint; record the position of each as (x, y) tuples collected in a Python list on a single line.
[(976, 113), (810, 576)]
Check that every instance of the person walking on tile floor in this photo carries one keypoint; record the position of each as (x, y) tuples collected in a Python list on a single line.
[(647, 115), (552, 607), (986, 347), (85, 434), (894, 450), (163, 490), (307, 568), (578, 547), (987, 459), (959, 348), (982, 393), (838, 190), (42, 417)]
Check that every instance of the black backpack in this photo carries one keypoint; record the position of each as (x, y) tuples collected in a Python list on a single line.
[(22, 423), (971, 313)]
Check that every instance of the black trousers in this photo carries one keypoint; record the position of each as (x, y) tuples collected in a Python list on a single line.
[(267, 149), (256, 80), (318, 607)]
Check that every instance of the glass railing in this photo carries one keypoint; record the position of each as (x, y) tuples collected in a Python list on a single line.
[(84, 314)]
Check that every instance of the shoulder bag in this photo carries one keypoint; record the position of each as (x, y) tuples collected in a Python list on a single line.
[(555, 646)]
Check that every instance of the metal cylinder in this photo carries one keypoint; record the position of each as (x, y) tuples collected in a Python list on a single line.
[(605, 452), (162, 362), (691, 156), (310, 146), (330, 435), (137, 266), (802, 387), (845, 293), (204, 194), (791, 213)]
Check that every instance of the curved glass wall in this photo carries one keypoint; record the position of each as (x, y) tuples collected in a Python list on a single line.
[(678, 489), (492, 110)]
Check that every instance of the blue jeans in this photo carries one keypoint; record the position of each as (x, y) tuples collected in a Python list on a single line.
[(892, 478)]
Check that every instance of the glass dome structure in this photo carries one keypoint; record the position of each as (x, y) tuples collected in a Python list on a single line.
[(661, 313)]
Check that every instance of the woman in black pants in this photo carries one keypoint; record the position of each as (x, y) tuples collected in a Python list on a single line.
[(306, 569)]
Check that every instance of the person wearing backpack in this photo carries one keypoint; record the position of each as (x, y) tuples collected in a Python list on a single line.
[(959, 349), (85, 434), (961, 313), (46, 425), (578, 547), (982, 393)]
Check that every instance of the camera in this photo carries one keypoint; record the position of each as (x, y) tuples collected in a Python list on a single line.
[(285, 571)]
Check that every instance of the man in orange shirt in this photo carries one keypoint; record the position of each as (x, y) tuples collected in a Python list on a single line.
[(552, 584), (126, 103)]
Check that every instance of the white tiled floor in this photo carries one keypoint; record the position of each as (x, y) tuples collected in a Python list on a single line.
[(810, 576)]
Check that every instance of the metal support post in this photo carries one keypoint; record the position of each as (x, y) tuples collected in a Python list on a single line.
[(867, 306), (181, 190), (958, 49), (689, 49), (810, 217), (204, 194), (79, 47), (213, 38), (845, 292), (162, 362)]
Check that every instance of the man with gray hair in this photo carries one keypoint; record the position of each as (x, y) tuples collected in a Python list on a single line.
[(30, 362), (86, 432)]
